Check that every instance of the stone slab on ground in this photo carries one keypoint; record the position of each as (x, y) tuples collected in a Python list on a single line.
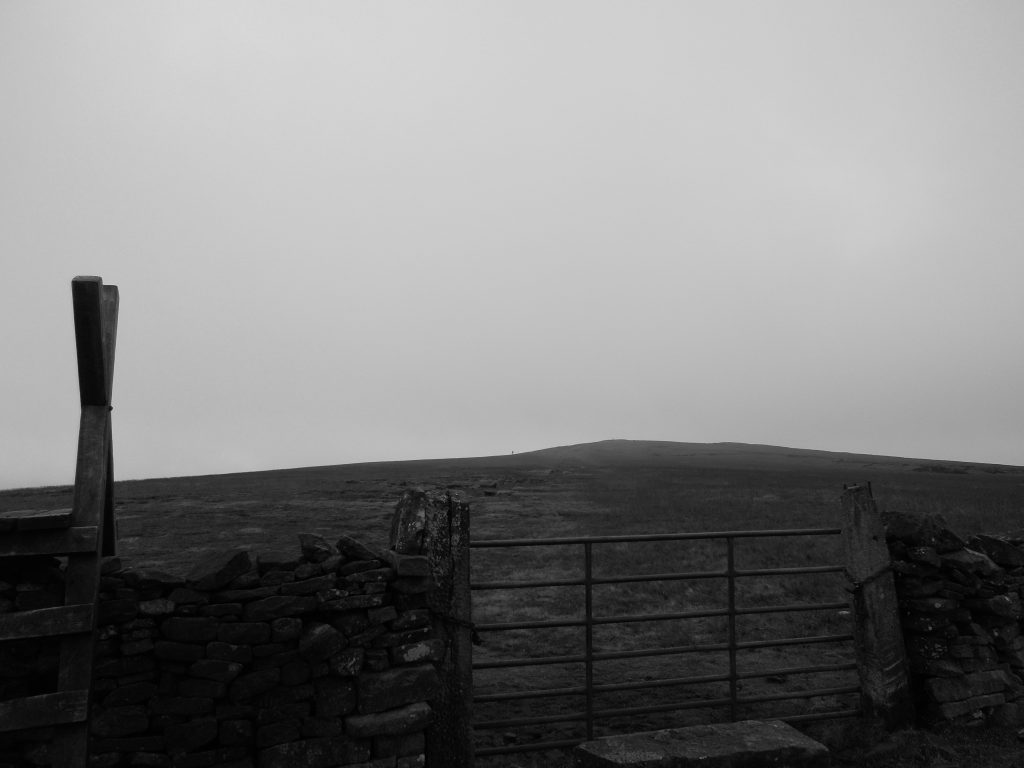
[(746, 744)]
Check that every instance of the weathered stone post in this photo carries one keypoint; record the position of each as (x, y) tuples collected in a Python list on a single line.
[(437, 525), (881, 657)]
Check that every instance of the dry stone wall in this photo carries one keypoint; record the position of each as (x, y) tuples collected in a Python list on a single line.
[(321, 657), (960, 608)]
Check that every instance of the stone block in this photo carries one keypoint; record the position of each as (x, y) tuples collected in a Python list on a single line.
[(254, 683), (353, 549), (413, 653), (116, 722), (117, 611), (244, 595), (282, 630), (408, 565), (411, 585), (244, 633), (353, 602), (308, 586), (133, 693), (320, 641), (172, 651), (347, 663), (235, 732), (392, 688), (276, 578), (216, 669), (355, 566), (180, 705), (324, 752), (724, 745), (160, 606), (278, 733), (191, 735), (971, 562), (185, 596), (202, 688), (295, 672), (241, 654), (400, 746), (183, 629), (382, 615), (278, 607), (394, 722), (216, 570), (316, 548), (277, 560), (1001, 551), (248, 580), (333, 697)]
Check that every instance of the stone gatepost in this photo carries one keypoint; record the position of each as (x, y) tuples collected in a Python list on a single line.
[(436, 525), (878, 637)]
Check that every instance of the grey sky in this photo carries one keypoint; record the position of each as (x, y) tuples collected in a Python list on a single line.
[(362, 231)]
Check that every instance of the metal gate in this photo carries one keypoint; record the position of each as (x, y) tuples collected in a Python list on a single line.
[(585, 692)]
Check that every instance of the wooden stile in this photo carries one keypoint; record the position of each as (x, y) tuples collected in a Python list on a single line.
[(88, 532)]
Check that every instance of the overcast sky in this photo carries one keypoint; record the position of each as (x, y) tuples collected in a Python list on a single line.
[(364, 231)]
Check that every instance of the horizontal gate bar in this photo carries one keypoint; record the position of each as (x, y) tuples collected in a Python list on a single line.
[(790, 571), (625, 579), (696, 704), (627, 619), (491, 543), (574, 659), (534, 694), (526, 584), (797, 671), (539, 624), (798, 694), (793, 607), (607, 656), (604, 688), (794, 641)]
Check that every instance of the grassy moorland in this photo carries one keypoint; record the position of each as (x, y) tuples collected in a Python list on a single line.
[(608, 488)]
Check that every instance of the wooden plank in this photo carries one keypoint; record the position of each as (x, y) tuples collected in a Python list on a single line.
[(66, 541), (91, 469), (109, 523), (87, 300), (47, 709), (878, 637), (110, 301), (35, 519), (47, 622)]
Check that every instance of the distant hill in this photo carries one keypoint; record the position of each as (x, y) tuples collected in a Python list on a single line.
[(658, 453), (605, 454)]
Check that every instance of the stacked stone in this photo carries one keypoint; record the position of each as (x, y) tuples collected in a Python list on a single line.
[(960, 606), (267, 660)]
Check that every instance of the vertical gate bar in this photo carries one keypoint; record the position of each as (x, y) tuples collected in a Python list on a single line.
[(731, 572), (588, 573)]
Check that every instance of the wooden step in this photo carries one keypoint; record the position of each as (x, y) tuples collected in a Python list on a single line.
[(47, 622), (60, 542), (34, 519), (48, 709)]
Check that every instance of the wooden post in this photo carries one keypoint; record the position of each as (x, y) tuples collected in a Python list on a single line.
[(444, 523), (881, 656), (95, 308)]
